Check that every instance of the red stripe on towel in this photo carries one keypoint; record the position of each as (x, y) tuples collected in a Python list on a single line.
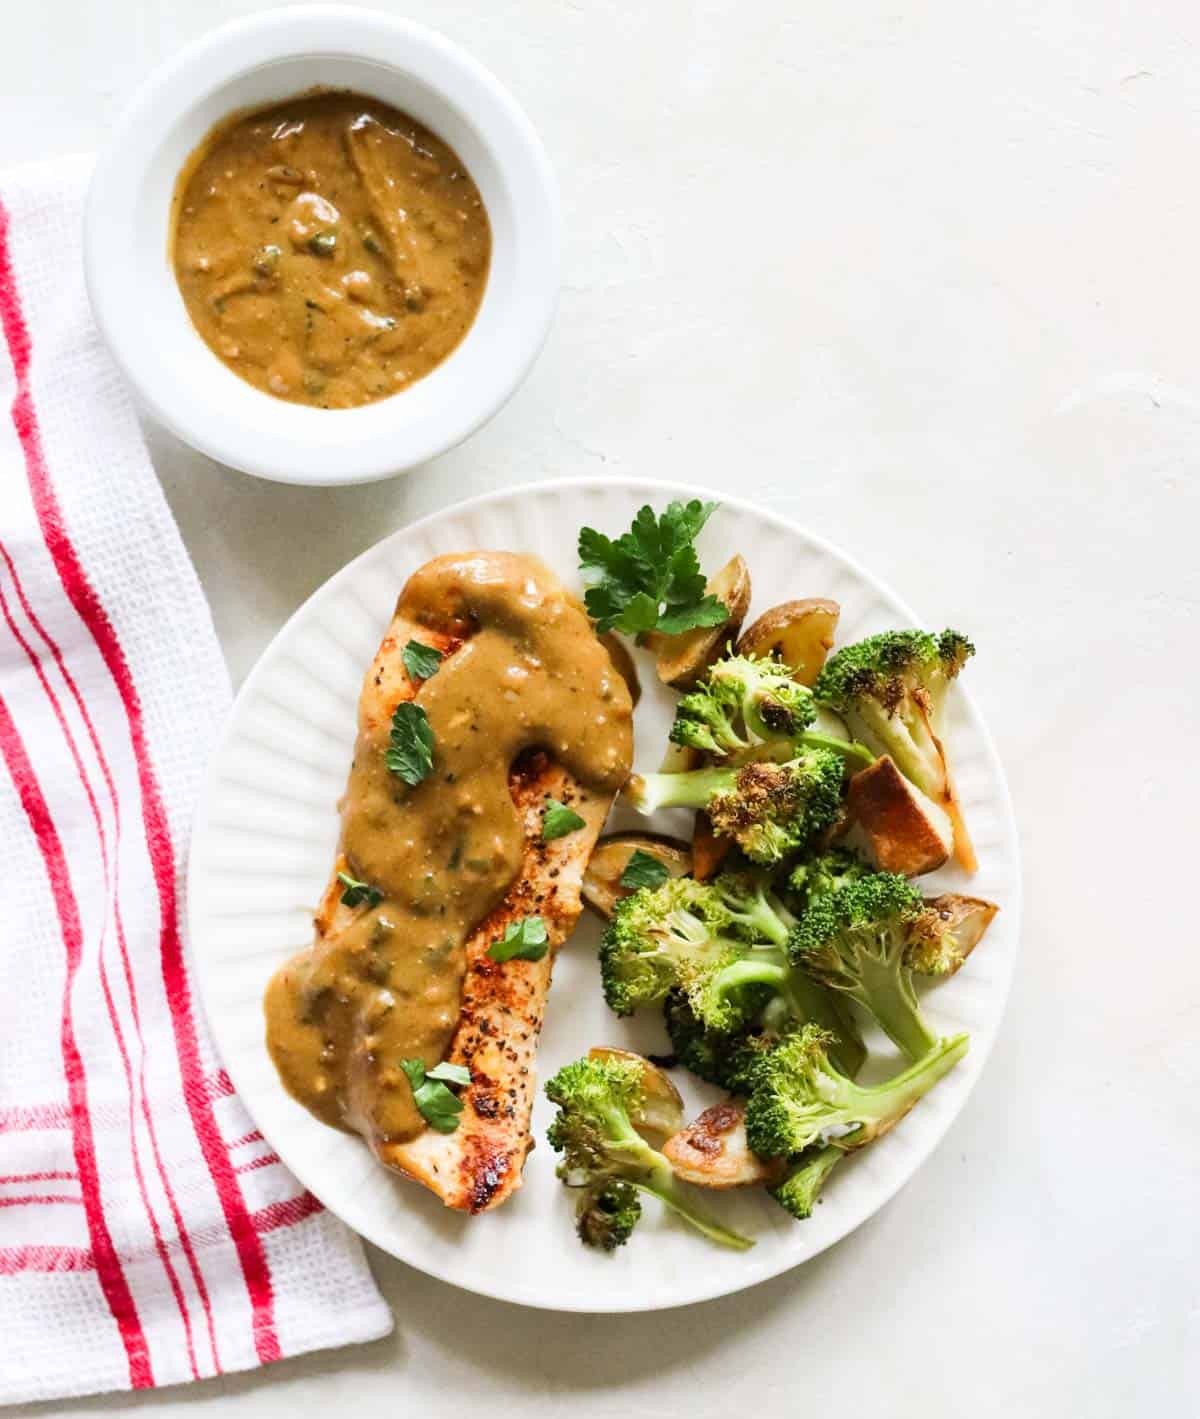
[(112, 1277), (164, 1177), (160, 1245), (89, 608), (35, 1258), (50, 1176)]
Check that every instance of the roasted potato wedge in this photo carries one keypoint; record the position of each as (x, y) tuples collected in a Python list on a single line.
[(800, 633), (963, 920), (680, 758), (899, 828), (623, 664), (663, 1109), (602, 888), (709, 851), (713, 1152), (683, 659)]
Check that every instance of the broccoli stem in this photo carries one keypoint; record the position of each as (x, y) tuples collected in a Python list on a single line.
[(812, 739), (810, 1002), (691, 789), (882, 1106), (665, 1186), (763, 914), (759, 968), (886, 992), (653, 1176), (807, 1002)]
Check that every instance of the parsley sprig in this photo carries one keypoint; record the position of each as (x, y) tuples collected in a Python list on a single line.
[(523, 940), (642, 870), (410, 755), (358, 894), (649, 578), (421, 661), (439, 1106), (559, 820)]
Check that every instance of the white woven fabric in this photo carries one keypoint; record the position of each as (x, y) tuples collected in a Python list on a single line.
[(148, 1235)]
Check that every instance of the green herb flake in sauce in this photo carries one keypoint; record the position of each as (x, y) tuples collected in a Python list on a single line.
[(322, 243), (523, 940), (437, 1105), (421, 661), (358, 894), (559, 820), (642, 870), (410, 756)]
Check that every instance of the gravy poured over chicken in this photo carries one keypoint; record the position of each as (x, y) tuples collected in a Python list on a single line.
[(525, 704)]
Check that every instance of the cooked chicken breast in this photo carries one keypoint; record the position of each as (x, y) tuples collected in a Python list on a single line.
[(554, 681)]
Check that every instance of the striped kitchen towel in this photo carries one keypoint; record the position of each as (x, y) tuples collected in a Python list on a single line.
[(148, 1234)]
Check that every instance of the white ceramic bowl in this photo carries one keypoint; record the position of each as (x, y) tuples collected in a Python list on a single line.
[(141, 313)]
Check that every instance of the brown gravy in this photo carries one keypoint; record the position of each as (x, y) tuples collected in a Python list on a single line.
[(386, 986), (330, 250)]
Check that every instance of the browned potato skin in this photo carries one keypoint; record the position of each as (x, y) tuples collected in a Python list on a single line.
[(679, 758), (712, 1151), (893, 817), (663, 1110), (602, 888), (709, 851), (683, 659), (618, 653), (800, 633)]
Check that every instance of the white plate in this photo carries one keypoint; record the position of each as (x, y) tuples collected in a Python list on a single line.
[(265, 839)]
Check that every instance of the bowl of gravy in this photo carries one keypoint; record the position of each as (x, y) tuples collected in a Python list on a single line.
[(323, 245)]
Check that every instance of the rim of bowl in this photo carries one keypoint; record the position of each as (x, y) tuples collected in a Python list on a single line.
[(238, 49)]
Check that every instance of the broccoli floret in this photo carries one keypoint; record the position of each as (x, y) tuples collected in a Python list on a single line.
[(946, 931), (600, 1103), (799, 1098), (680, 935), (720, 1043), (769, 809), (827, 872), (755, 912), (855, 940), (932, 949), (742, 702), (718, 1058), (799, 1190), (890, 689), (659, 937), (606, 1216)]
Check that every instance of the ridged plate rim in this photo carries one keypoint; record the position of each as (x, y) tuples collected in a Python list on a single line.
[(343, 1186)]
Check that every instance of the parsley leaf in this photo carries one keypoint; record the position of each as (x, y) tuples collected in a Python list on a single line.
[(436, 1104), (523, 940), (358, 893), (411, 752), (449, 1073), (642, 870), (421, 661), (649, 578), (559, 820)]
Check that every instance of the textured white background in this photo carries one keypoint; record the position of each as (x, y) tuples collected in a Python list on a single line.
[(922, 277)]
